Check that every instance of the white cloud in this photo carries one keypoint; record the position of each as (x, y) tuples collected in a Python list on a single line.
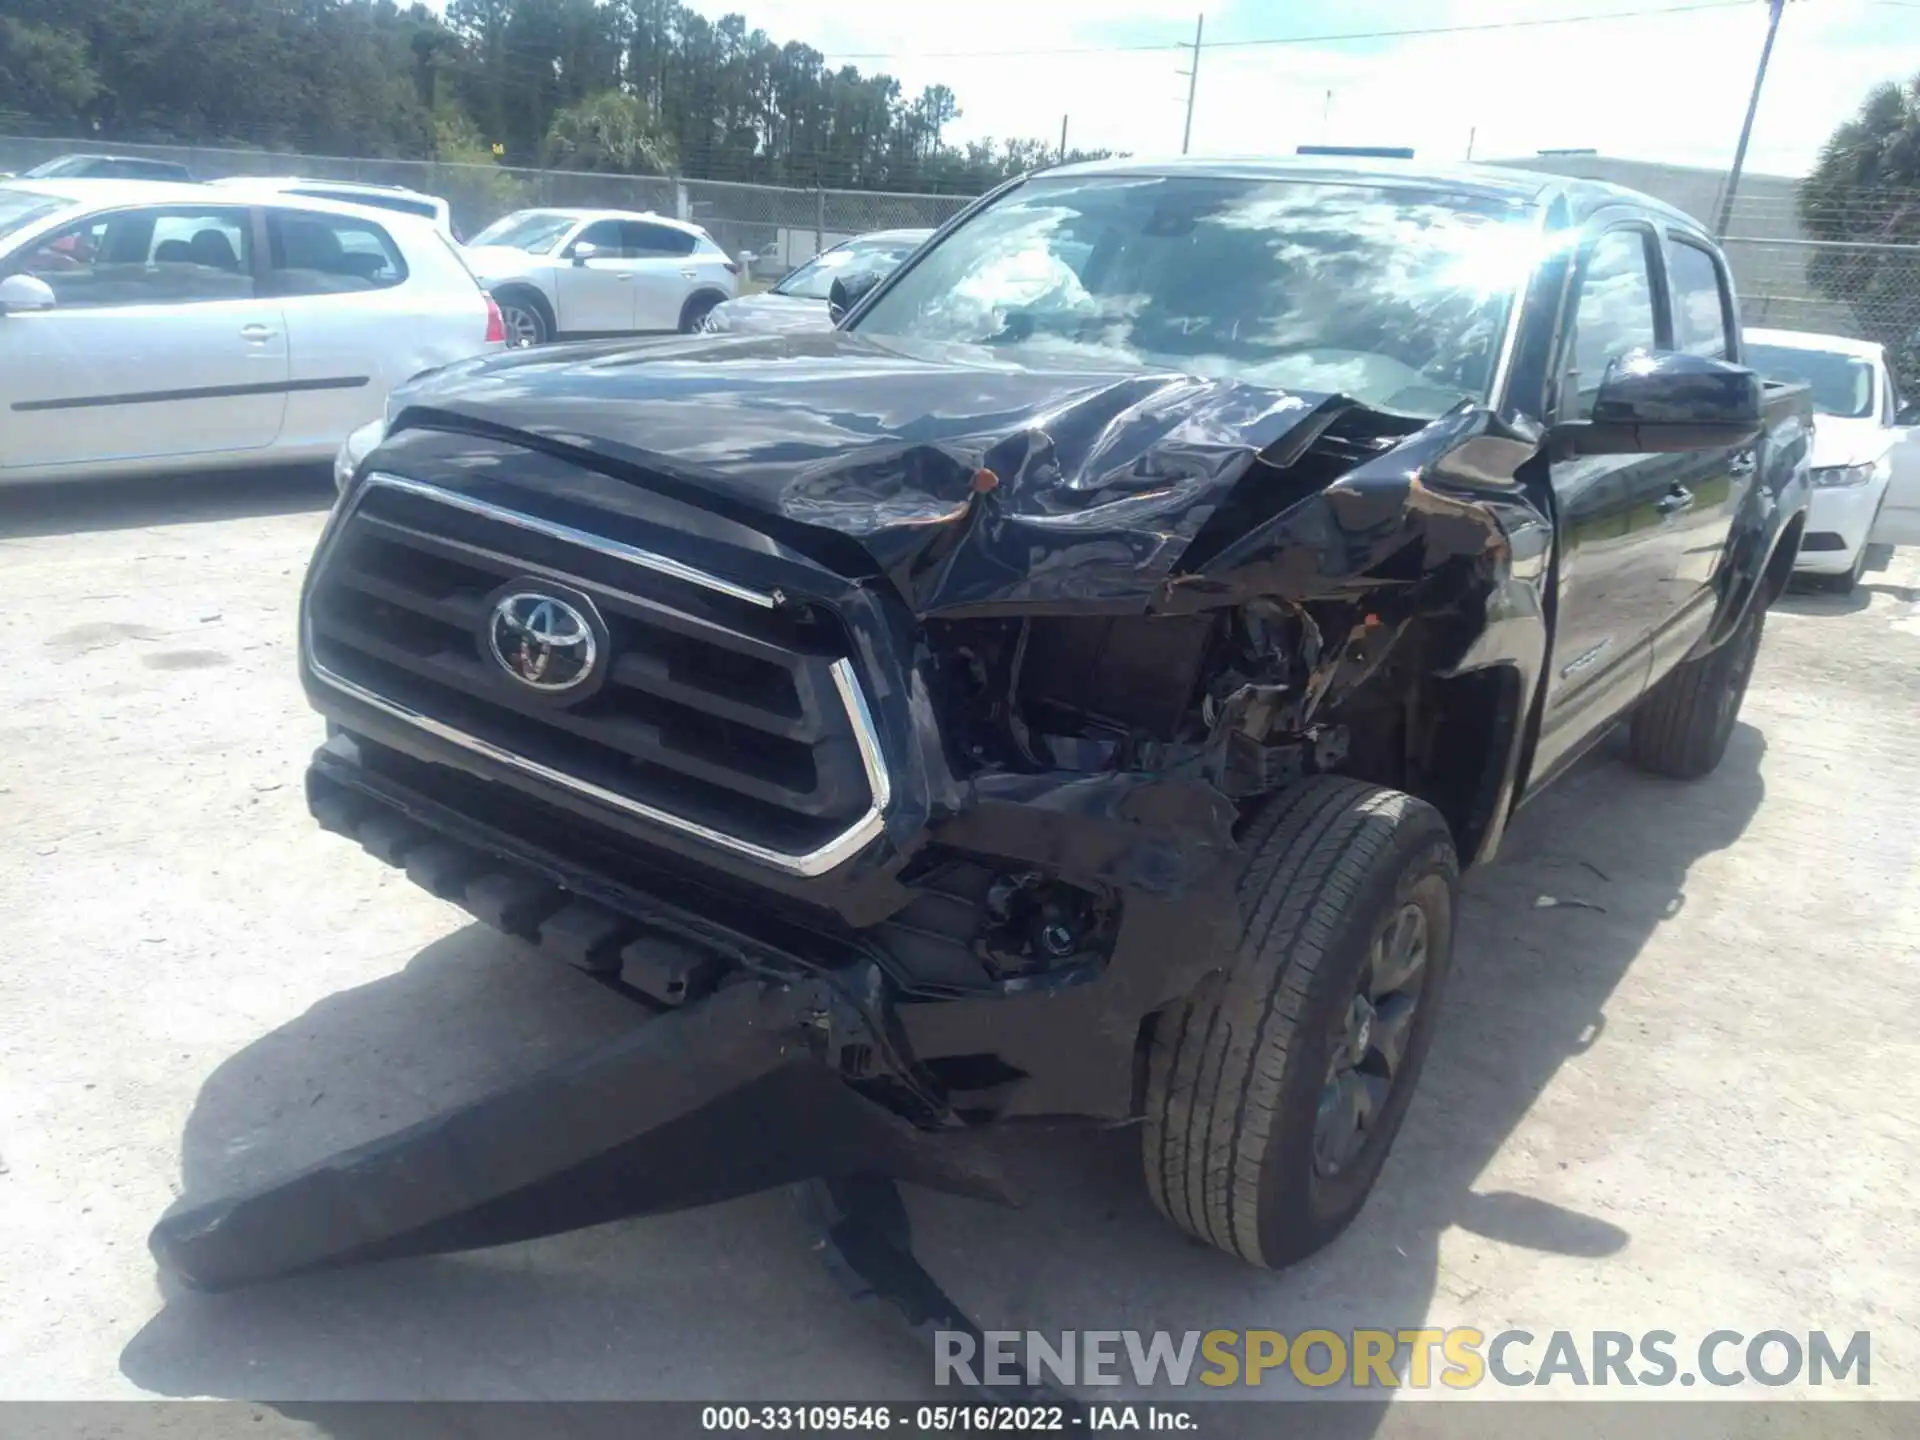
[(1670, 87)]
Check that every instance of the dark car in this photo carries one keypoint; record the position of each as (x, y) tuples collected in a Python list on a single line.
[(799, 300), (108, 167), (1072, 687)]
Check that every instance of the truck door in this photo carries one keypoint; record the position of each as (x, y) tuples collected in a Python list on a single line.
[(1615, 556), (1709, 486)]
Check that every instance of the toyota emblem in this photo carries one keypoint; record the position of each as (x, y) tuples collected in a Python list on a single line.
[(542, 641)]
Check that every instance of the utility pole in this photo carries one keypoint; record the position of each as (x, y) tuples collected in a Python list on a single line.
[(1774, 7), (1193, 82), (1063, 139), (1473, 133)]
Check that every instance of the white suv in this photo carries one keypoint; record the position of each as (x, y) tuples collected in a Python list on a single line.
[(351, 192), (574, 273)]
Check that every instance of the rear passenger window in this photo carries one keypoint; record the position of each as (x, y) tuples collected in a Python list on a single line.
[(652, 241), (1700, 308), (1615, 315), (313, 254)]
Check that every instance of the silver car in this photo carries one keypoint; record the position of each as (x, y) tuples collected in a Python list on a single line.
[(798, 300)]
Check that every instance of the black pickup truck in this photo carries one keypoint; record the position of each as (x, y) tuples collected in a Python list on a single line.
[(1070, 687)]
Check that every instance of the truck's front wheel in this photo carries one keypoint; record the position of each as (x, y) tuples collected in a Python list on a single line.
[(1275, 1089)]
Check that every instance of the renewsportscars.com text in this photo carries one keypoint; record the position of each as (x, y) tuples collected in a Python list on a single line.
[(1462, 1358)]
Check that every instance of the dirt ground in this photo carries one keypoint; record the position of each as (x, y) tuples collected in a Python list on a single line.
[(1692, 1107)]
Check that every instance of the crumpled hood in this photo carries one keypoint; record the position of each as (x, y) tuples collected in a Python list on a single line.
[(1099, 480), (766, 312)]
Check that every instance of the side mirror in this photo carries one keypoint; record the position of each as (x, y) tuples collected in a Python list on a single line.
[(1655, 404), (584, 251), (848, 291), (19, 293), (1908, 414)]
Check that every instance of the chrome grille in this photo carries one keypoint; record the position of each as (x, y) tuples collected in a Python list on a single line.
[(721, 712)]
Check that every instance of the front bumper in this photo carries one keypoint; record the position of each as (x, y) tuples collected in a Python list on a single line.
[(1839, 523), (1061, 1042), (767, 1048)]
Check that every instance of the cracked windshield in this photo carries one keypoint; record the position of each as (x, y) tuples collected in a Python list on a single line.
[(1398, 298)]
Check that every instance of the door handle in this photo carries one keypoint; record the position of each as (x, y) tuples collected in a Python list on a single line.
[(1676, 501), (623, 276), (257, 332)]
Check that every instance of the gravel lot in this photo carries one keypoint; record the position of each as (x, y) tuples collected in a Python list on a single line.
[(1693, 1107)]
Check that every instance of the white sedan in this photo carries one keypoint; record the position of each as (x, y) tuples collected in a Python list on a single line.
[(564, 274), (147, 326), (1858, 445), (798, 300)]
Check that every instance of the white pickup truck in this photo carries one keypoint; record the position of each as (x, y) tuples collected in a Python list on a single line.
[(1866, 463)]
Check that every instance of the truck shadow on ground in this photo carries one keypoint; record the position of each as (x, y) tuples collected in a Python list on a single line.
[(82, 506), (728, 1302)]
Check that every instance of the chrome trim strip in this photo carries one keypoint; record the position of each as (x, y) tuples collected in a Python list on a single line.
[(632, 554), (852, 699)]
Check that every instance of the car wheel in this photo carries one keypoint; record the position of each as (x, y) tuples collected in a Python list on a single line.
[(526, 317), (1682, 728), (696, 311), (1276, 1088), (1846, 580)]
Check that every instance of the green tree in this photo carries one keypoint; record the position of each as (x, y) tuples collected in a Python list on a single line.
[(609, 84), (1863, 199), (45, 74), (609, 131)]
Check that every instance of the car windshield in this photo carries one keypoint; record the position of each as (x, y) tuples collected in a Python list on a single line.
[(1397, 297), (1842, 385), (813, 280), (535, 231), (21, 208)]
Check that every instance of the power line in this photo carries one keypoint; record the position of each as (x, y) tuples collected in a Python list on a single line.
[(1413, 32)]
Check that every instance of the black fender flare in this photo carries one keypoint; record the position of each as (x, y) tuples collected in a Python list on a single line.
[(1761, 552)]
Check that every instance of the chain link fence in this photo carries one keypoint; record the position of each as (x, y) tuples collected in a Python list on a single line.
[(1865, 285), (771, 227)]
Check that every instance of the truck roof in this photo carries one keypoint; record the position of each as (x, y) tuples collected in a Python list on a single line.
[(1521, 187)]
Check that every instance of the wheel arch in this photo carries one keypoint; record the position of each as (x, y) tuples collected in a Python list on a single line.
[(700, 301), (522, 288)]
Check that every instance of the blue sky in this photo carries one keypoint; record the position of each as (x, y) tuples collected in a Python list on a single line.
[(1668, 87)]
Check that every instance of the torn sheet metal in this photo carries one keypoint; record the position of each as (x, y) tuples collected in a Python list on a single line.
[(1101, 480), (723, 1098)]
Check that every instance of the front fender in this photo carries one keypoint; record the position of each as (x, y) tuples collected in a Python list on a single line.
[(1766, 531)]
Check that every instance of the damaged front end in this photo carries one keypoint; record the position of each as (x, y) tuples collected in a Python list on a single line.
[(901, 790)]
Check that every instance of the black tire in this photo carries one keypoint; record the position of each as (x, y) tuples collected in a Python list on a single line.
[(528, 317), (696, 310), (1846, 580), (1682, 728), (1237, 1072)]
